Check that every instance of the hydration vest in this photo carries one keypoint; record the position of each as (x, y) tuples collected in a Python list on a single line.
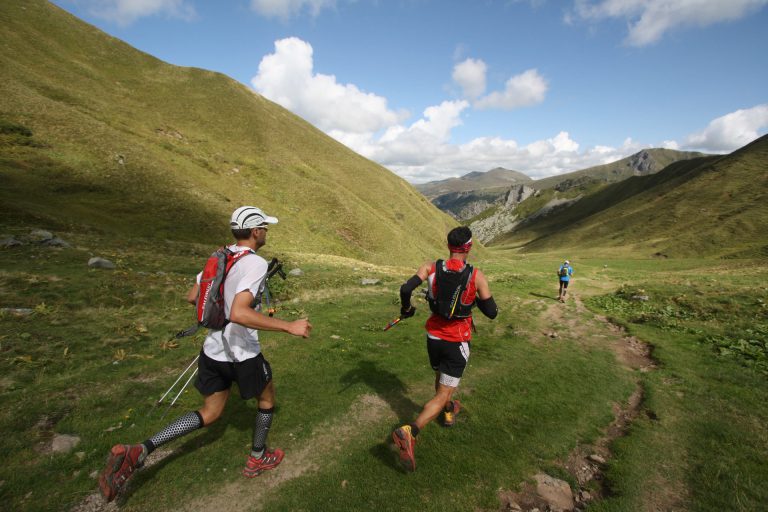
[(210, 298), (446, 293)]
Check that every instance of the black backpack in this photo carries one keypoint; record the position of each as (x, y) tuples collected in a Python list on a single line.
[(450, 285)]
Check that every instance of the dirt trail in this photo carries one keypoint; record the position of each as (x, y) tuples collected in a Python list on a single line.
[(573, 322), (367, 411)]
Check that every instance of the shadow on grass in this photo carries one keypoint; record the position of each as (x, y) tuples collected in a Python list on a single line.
[(392, 390), (543, 296), (384, 384)]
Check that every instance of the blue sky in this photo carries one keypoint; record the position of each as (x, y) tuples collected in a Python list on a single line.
[(433, 89)]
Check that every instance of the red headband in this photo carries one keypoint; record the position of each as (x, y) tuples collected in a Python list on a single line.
[(461, 248)]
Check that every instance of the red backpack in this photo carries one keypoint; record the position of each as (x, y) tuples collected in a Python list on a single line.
[(210, 298)]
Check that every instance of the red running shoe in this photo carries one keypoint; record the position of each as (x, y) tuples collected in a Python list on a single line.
[(269, 460), (449, 417), (405, 441), (123, 460)]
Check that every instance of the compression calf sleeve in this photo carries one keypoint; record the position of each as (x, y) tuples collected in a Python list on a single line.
[(407, 289), (260, 431), (180, 427), (488, 307)]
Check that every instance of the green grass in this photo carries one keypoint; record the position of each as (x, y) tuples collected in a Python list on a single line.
[(94, 356)]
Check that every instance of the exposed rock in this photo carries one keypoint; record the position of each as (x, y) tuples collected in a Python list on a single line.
[(97, 262), (296, 272), (642, 163), (517, 195), (20, 312), (596, 458), (63, 443), (10, 242), (40, 236), (368, 281), (557, 493), (56, 242), (640, 298), (502, 221)]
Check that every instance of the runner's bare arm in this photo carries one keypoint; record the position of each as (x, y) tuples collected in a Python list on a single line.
[(192, 293), (483, 290), (241, 313)]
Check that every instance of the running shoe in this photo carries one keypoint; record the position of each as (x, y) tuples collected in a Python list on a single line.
[(449, 417), (123, 461), (269, 460), (405, 441)]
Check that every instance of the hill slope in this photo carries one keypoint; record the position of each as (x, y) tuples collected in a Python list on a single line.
[(714, 206), (125, 144)]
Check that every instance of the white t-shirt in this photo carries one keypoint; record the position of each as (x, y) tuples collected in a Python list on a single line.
[(235, 342)]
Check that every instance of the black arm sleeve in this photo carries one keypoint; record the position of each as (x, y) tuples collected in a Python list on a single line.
[(488, 307), (407, 289)]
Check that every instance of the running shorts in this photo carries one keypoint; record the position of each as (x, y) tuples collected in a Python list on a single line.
[(448, 357), (251, 375)]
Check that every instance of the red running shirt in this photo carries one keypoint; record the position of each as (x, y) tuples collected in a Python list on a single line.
[(458, 329)]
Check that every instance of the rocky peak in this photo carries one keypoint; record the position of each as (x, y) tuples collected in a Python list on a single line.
[(642, 163)]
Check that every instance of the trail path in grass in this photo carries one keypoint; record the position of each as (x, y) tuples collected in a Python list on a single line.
[(572, 322), (361, 418)]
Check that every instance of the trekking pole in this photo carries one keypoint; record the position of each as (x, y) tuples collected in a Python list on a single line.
[(392, 323), (179, 393), (177, 380)]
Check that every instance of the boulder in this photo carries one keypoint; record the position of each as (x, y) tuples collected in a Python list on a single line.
[(97, 262), (557, 493)]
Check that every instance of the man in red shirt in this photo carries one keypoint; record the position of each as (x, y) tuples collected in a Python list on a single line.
[(454, 287)]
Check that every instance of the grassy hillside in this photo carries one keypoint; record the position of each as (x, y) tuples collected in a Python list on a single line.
[(648, 161), (706, 206), (126, 145)]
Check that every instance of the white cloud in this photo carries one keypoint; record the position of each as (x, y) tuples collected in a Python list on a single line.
[(125, 12), (470, 76), (284, 9), (287, 77), (649, 20), (521, 90), (731, 131), (420, 150)]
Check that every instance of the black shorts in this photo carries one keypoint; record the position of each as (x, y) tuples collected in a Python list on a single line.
[(564, 284), (448, 357), (251, 375)]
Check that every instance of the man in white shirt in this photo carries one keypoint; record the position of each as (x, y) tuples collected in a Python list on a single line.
[(231, 354)]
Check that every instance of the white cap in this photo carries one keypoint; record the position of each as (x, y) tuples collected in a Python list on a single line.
[(566, 262), (247, 217)]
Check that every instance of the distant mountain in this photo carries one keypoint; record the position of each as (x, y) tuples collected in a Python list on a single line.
[(706, 206), (98, 137), (490, 200), (473, 182)]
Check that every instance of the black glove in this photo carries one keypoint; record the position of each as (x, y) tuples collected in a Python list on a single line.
[(407, 313)]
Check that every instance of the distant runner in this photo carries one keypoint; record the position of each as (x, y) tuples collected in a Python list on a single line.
[(231, 354), (454, 286), (564, 274)]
